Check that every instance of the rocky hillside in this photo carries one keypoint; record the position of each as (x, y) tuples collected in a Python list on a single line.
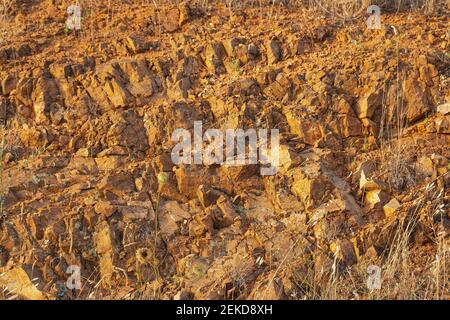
[(87, 178)]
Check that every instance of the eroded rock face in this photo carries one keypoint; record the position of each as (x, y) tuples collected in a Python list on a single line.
[(88, 180)]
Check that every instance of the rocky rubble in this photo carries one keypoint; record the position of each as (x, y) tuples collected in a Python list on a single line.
[(87, 123)]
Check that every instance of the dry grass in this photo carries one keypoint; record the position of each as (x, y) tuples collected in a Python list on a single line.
[(6, 7), (401, 277)]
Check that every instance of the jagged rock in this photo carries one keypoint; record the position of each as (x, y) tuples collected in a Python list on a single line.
[(217, 282), (105, 248), (309, 130), (54, 231), (8, 84), (232, 44), (136, 45), (109, 163), (203, 224), (134, 212), (171, 217), (425, 166), (215, 53), (417, 99), (122, 82), (367, 184), (442, 124), (88, 179), (309, 184), (345, 251), (33, 137), (170, 19), (270, 288), (279, 88), (190, 177), (253, 51), (350, 126), (207, 196), (37, 225), (370, 102), (287, 158), (391, 207), (244, 87), (119, 184), (274, 53), (46, 98), (117, 93), (368, 167), (375, 197), (127, 130), (17, 281), (105, 208), (227, 214)]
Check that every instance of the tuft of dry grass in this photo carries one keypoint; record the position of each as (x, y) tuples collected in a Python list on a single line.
[(6, 6)]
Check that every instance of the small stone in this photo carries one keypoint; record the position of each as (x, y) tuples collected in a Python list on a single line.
[(136, 45), (273, 51), (83, 152), (367, 184), (182, 295), (228, 214), (104, 208), (185, 13), (37, 224), (170, 20), (391, 207), (131, 213), (345, 251), (207, 196), (425, 166), (368, 104), (119, 184), (374, 197)]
